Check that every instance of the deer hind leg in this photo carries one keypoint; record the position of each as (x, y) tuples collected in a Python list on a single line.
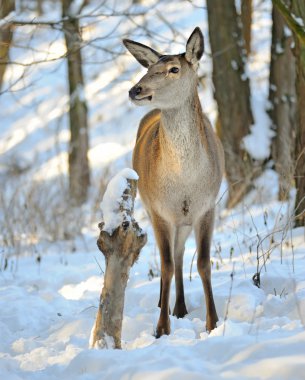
[(203, 231), (159, 303), (160, 296), (181, 235), (164, 237)]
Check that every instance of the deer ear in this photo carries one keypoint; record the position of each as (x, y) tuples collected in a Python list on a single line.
[(142, 53), (194, 46)]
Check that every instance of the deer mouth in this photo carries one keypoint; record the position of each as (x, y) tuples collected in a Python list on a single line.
[(145, 100), (149, 97)]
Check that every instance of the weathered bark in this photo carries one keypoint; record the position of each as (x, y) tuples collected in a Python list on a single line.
[(6, 36), (232, 93), (121, 249), (282, 97), (246, 19), (79, 172), (298, 9)]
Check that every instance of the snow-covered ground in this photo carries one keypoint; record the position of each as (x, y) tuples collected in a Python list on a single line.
[(48, 308), (49, 294)]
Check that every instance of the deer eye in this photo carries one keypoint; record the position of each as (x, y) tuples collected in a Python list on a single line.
[(174, 70)]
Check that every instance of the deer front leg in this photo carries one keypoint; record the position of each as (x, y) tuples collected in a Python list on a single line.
[(180, 309), (181, 235), (163, 236), (203, 231)]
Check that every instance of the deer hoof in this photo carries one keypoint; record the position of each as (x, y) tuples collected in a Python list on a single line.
[(180, 310), (211, 324), (163, 329)]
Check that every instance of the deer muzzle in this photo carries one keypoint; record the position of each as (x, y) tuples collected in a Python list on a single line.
[(138, 94)]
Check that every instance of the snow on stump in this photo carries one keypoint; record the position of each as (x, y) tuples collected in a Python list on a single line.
[(120, 240)]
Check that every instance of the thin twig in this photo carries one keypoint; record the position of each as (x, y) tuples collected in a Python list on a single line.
[(229, 300), (191, 268), (99, 265)]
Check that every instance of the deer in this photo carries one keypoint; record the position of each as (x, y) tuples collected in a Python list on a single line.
[(180, 163)]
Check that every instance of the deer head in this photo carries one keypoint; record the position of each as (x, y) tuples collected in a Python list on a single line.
[(170, 79)]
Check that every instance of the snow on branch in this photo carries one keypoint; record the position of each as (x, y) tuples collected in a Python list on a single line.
[(115, 207), (7, 20)]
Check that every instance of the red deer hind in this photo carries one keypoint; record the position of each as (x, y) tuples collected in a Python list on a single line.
[(180, 163)]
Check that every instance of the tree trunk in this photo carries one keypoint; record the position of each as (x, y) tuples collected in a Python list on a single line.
[(121, 249), (6, 36), (232, 93), (282, 97), (79, 172), (298, 8), (246, 19)]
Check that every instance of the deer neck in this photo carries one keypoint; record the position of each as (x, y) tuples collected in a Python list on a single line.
[(181, 127)]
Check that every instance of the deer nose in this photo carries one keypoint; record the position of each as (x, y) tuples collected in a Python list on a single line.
[(136, 90)]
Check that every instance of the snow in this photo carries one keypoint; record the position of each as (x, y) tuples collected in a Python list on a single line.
[(7, 19), (234, 65), (258, 142), (78, 94), (298, 20), (287, 32), (48, 306), (279, 48), (112, 217), (106, 343), (48, 310)]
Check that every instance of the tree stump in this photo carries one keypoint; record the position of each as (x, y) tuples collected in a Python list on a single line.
[(121, 247)]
